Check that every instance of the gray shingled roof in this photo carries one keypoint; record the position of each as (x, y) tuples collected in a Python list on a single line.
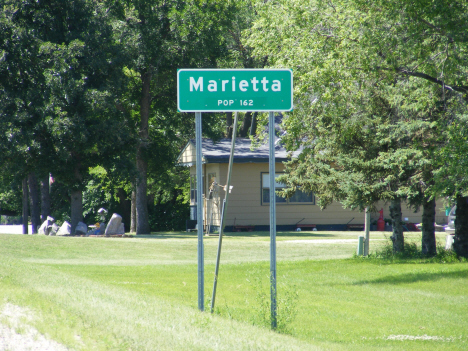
[(219, 152)]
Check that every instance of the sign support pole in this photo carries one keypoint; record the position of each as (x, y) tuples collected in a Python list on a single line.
[(271, 136), (198, 141), (198, 91)]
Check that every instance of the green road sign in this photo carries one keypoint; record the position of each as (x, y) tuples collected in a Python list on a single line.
[(226, 90)]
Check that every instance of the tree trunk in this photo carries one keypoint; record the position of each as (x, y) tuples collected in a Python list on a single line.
[(133, 213), (25, 212), (35, 207), (142, 220), (460, 241), (395, 214), (428, 242), (228, 124), (76, 209), (253, 126), (45, 198), (246, 125)]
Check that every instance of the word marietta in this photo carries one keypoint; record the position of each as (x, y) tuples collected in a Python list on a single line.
[(231, 84)]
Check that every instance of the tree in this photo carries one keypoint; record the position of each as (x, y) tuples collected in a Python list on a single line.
[(240, 55), (160, 37), (21, 92), (62, 76), (367, 94), (427, 41), (340, 111)]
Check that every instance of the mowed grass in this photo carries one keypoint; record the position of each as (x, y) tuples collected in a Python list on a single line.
[(141, 293)]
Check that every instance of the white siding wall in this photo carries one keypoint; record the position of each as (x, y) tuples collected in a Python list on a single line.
[(245, 205)]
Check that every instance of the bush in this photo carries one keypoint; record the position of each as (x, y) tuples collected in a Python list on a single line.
[(11, 220), (412, 253)]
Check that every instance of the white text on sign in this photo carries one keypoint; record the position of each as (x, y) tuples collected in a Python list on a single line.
[(264, 84), (231, 102)]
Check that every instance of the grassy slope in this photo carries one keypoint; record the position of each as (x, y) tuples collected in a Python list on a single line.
[(141, 294)]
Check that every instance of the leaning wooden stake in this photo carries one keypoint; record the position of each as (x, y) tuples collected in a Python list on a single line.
[(223, 212)]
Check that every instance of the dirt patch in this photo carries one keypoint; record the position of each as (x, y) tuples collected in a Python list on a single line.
[(17, 335)]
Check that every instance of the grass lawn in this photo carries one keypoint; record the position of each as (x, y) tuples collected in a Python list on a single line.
[(141, 293)]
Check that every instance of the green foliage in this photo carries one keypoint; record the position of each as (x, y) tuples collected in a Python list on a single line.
[(10, 220), (412, 254), (10, 195), (60, 202), (449, 179), (362, 141), (170, 215), (378, 86), (286, 300)]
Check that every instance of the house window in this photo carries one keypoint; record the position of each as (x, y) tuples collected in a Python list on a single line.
[(299, 196), (193, 189)]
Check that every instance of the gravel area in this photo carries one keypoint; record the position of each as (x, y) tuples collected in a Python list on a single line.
[(17, 335)]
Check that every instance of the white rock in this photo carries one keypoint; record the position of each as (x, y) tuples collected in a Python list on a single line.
[(81, 228), (43, 228), (114, 224), (449, 242), (121, 229), (46, 226), (65, 229), (53, 229)]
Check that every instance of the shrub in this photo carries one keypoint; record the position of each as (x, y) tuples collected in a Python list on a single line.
[(412, 253)]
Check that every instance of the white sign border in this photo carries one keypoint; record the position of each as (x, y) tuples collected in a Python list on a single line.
[(235, 69)]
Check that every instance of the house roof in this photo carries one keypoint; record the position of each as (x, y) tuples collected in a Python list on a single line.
[(219, 152)]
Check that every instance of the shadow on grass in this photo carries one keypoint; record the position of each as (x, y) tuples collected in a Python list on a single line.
[(280, 234), (415, 278), (192, 235), (181, 235)]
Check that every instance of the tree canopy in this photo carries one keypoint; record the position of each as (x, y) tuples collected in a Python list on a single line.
[(376, 86), (88, 94)]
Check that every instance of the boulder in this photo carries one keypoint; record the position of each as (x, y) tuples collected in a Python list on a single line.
[(65, 229), (53, 229), (43, 228), (81, 228), (449, 242), (121, 229), (113, 225), (46, 226)]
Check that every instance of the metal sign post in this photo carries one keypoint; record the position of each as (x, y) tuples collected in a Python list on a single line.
[(271, 136), (233, 90), (201, 275)]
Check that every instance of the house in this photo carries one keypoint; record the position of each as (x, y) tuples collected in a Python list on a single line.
[(248, 206)]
